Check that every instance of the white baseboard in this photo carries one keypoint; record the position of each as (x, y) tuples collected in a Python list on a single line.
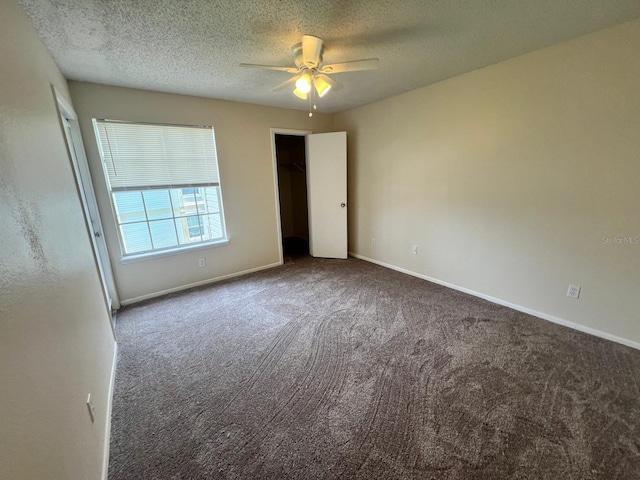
[(107, 433), (197, 284), (535, 313)]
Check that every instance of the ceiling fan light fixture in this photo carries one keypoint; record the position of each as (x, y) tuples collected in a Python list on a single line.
[(311, 77), (303, 84), (322, 86), (300, 94)]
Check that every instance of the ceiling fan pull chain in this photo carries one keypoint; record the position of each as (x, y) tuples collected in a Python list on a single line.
[(313, 90), (312, 98)]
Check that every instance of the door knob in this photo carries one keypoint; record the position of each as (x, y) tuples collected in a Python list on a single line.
[(343, 204)]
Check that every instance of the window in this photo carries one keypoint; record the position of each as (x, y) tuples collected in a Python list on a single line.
[(164, 185), (195, 227)]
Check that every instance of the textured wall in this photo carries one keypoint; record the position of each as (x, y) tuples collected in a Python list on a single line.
[(56, 343), (243, 141), (508, 178)]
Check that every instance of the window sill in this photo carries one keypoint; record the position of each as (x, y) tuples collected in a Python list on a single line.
[(175, 251)]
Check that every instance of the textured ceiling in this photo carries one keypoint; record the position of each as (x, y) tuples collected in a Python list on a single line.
[(194, 46)]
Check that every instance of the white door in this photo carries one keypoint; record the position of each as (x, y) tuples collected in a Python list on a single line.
[(87, 196), (327, 194)]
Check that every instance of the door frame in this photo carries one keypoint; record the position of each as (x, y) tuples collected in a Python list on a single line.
[(274, 157), (83, 176)]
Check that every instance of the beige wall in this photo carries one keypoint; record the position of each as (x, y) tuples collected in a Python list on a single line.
[(246, 169), (508, 178), (56, 343)]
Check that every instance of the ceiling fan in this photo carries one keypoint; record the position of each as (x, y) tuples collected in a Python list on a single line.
[(311, 75)]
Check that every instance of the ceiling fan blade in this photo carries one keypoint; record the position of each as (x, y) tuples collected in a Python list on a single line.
[(291, 81), (311, 50), (334, 85), (270, 67), (356, 65)]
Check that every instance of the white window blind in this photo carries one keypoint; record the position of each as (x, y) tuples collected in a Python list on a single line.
[(146, 156)]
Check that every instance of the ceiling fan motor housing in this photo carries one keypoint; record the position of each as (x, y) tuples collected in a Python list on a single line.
[(298, 59)]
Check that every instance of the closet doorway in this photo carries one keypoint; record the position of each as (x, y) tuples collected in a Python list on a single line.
[(290, 153)]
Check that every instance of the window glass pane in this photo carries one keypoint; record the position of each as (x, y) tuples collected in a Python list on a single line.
[(211, 198), (183, 230), (192, 200), (135, 237), (163, 233), (188, 230), (188, 194), (212, 226), (195, 228), (158, 204), (175, 201), (129, 207), (187, 203), (194, 222), (200, 200)]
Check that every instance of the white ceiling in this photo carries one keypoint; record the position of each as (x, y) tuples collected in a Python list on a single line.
[(194, 46)]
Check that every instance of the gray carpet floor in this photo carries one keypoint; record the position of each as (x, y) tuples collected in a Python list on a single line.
[(327, 369)]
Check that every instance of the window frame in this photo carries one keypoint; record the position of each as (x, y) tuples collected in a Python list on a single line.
[(179, 248)]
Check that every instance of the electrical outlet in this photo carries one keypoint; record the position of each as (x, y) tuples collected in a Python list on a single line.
[(202, 262), (414, 249), (92, 409), (373, 242), (574, 291)]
